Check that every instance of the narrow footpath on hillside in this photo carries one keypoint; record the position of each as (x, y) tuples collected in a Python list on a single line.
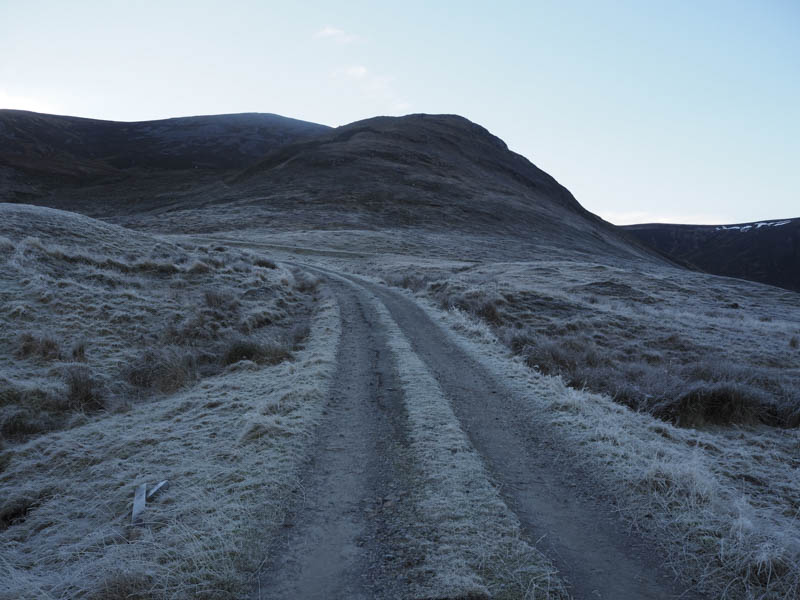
[(351, 532)]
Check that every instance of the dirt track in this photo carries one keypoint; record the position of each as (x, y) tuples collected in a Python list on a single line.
[(338, 538), (345, 537)]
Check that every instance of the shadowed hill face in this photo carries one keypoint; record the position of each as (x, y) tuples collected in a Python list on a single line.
[(766, 251), (436, 171), (440, 173), (429, 153), (71, 146)]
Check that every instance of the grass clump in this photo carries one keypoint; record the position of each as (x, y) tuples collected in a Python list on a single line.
[(265, 263), (198, 267), (26, 411), (704, 403), (297, 334), (78, 351), (305, 283), (255, 351), (15, 509), (21, 422), (165, 369), (409, 281), (220, 300), (123, 585), (84, 392), (42, 347)]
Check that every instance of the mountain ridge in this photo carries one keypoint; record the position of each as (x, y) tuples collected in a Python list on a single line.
[(33, 141), (421, 171), (245, 170), (766, 251)]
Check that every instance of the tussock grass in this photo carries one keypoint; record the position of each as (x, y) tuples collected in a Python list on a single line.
[(247, 349), (44, 347), (722, 502), (29, 409), (223, 301), (165, 369), (716, 404), (305, 282), (78, 351), (265, 263), (652, 342), (142, 315), (84, 392), (67, 495)]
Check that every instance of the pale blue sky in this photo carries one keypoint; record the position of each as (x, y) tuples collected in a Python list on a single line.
[(683, 111)]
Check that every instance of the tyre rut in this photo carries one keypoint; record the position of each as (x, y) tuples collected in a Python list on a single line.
[(594, 550), (337, 536), (553, 500)]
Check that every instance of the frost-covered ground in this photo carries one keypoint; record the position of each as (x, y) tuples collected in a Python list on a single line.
[(693, 431), (721, 502), (128, 359), (691, 349), (205, 361), (99, 317)]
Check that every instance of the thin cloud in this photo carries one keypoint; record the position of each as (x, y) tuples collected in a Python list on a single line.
[(336, 35), (374, 87), (356, 72)]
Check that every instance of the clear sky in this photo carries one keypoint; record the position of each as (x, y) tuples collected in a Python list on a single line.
[(679, 111)]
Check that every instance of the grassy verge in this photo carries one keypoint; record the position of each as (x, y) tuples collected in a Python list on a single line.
[(230, 446), (671, 343), (100, 318), (722, 502)]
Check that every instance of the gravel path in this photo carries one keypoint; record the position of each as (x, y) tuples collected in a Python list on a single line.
[(346, 537)]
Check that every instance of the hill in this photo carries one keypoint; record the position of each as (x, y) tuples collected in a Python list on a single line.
[(41, 154), (764, 251), (437, 173), (235, 326)]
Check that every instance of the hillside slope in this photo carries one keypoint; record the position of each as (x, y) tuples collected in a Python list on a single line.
[(438, 173), (765, 251), (544, 374), (441, 172), (41, 153)]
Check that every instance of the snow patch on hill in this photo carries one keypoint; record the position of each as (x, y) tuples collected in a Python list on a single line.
[(750, 226)]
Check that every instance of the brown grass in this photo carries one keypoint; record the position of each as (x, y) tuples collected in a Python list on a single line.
[(633, 355), (84, 393), (41, 347), (165, 369), (255, 351)]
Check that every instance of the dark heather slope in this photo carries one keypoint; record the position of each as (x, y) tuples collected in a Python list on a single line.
[(437, 173), (40, 153), (765, 251), (441, 172)]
